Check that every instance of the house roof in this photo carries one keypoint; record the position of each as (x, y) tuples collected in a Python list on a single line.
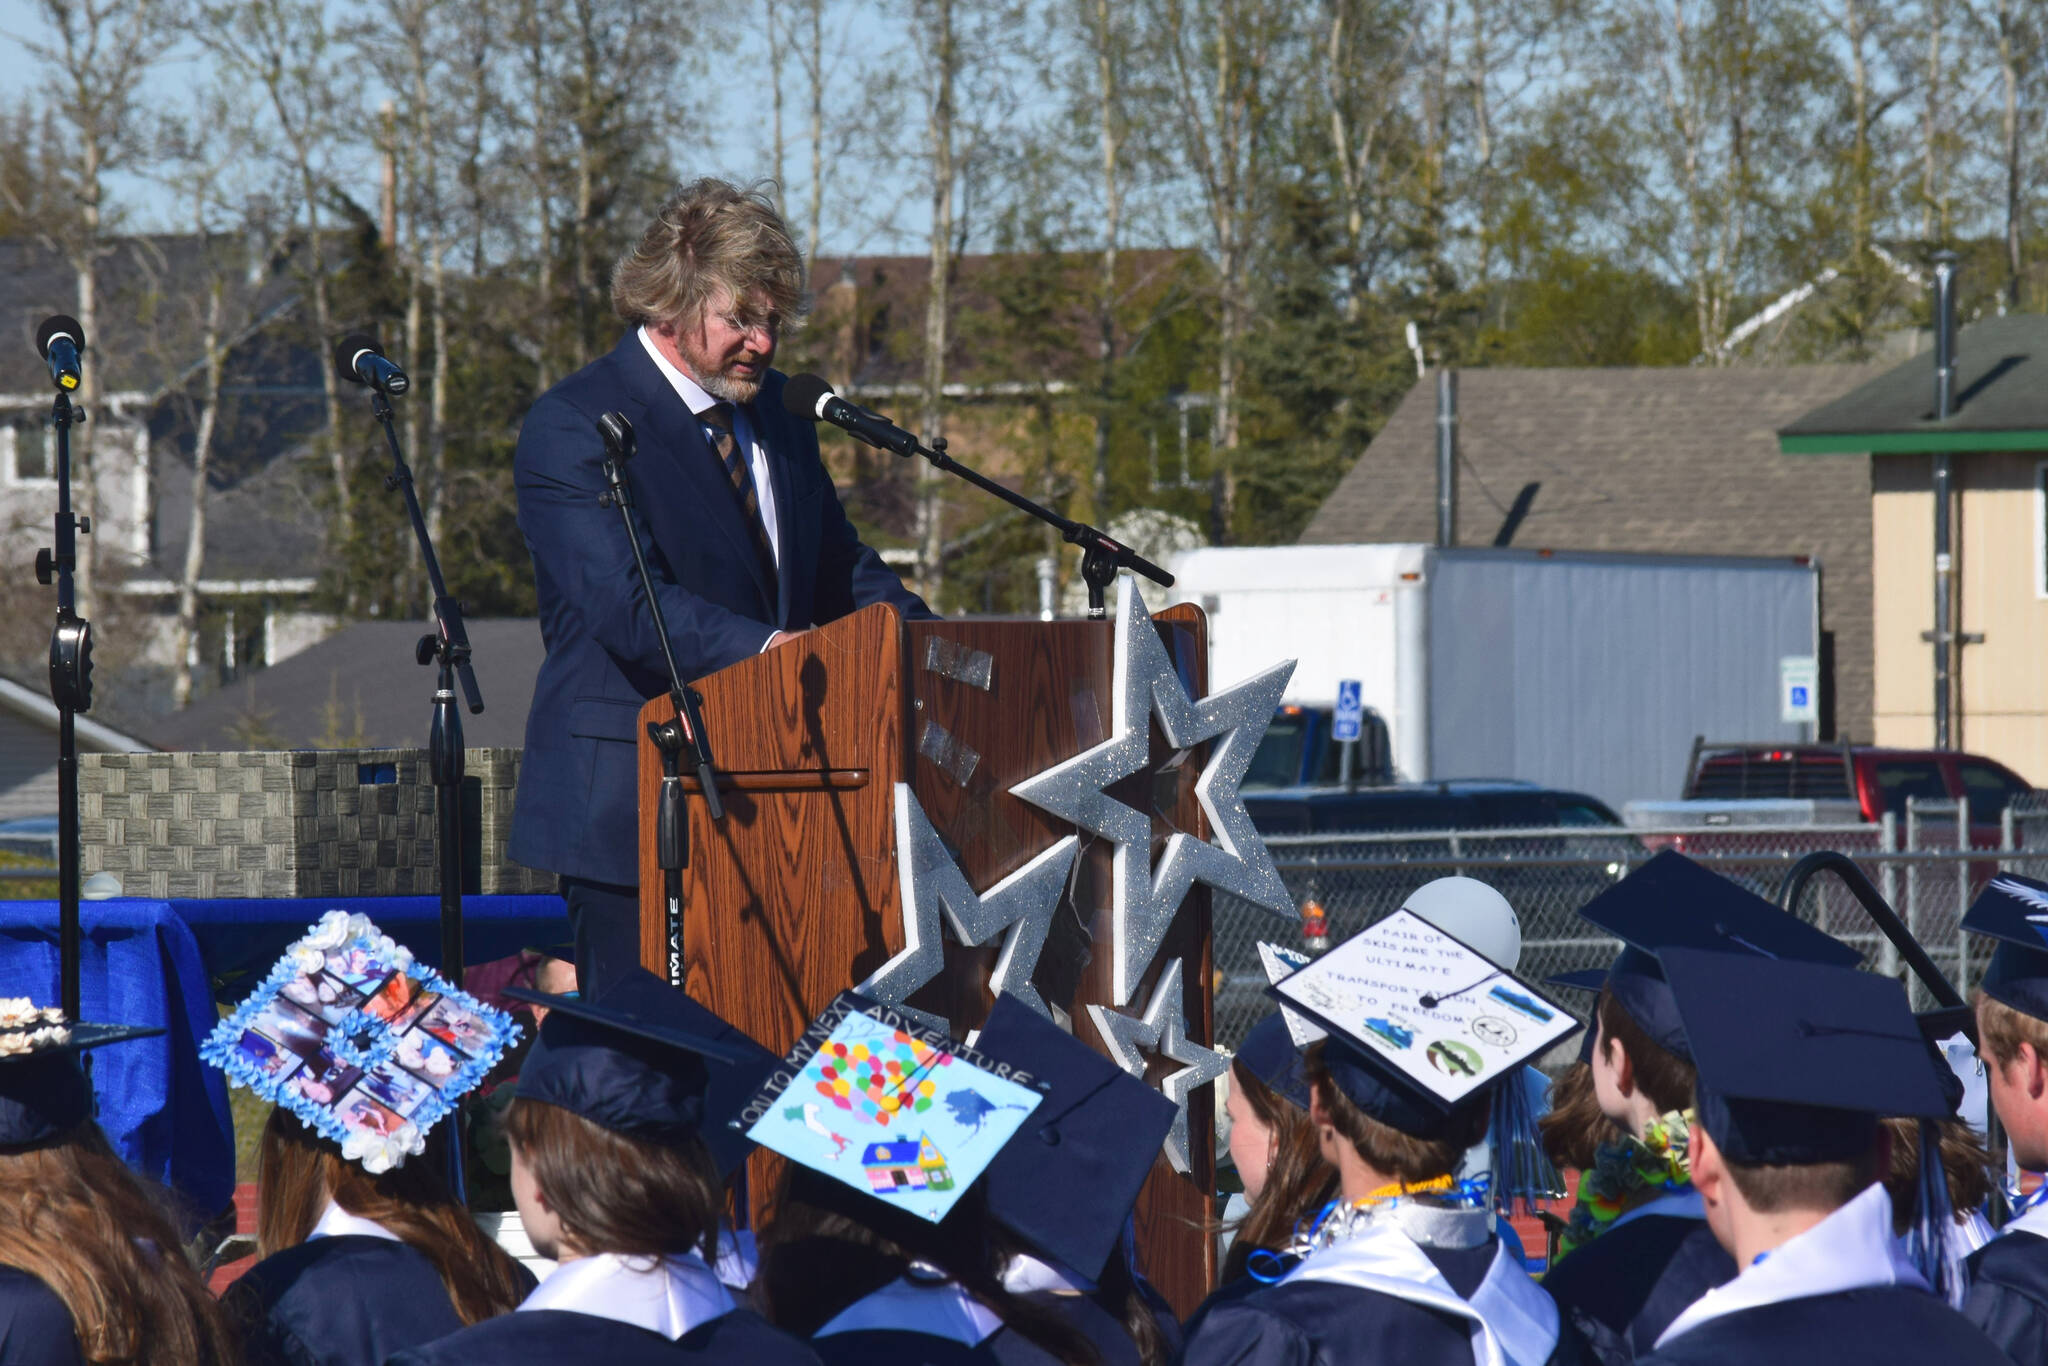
[(1682, 461), (267, 528), (150, 302), (2001, 400), (362, 681)]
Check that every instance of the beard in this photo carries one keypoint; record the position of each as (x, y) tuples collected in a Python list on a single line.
[(729, 387)]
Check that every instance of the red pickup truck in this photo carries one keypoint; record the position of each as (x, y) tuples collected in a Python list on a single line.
[(1877, 780)]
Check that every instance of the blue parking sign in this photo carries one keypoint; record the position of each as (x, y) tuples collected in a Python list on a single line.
[(1350, 711)]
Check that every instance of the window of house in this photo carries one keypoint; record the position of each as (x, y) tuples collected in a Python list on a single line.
[(28, 453)]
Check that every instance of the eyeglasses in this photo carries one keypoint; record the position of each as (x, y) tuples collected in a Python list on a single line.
[(772, 324)]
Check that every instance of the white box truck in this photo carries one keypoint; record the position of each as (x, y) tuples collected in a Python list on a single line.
[(1579, 670)]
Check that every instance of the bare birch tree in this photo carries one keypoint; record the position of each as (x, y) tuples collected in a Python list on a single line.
[(95, 54)]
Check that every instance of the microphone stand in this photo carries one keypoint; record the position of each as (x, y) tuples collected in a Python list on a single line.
[(447, 647), (71, 690), (1101, 557), (686, 727)]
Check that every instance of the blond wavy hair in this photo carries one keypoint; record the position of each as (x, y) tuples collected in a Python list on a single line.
[(709, 236)]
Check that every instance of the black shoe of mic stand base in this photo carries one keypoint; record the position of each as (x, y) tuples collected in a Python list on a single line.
[(685, 730), (1101, 557), (71, 690)]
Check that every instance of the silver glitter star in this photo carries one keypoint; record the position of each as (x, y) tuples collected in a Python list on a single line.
[(1143, 902), (1164, 1030), (931, 882)]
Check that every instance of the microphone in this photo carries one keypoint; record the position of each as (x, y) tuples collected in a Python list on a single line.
[(60, 339), (811, 398), (361, 361), (619, 441)]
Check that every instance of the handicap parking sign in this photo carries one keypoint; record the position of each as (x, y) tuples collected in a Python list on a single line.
[(1350, 712)]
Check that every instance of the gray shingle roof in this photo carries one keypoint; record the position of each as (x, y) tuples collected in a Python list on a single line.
[(1656, 460), (367, 671), (2001, 387)]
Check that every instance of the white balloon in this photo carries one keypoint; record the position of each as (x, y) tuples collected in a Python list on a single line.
[(1472, 913)]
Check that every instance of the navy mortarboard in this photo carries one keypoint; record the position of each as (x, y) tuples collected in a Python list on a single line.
[(634, 1063), (1583, 979), (43, 1089), (2014, 911), (1093, 1140), (1672, 902), (1269, 1053)]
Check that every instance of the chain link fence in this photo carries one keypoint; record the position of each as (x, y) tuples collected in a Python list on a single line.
[(1928, 862)]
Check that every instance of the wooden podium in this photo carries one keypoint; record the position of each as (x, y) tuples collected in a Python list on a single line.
[(794, 897)]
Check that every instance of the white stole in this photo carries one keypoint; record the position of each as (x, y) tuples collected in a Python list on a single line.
[(1851, 1249), (1028, 1275), (667, 1295), (336, 1222), (921, 1302), (1679, 1204), (1511, 1321)]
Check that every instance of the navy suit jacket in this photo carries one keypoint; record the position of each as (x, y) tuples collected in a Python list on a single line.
[(575, 811)]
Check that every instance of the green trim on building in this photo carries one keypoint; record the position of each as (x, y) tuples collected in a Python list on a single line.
[(1912, 443)]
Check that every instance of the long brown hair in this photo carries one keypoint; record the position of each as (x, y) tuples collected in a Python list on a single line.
[(615, 1193), (1576, 1127), (73, 1216), (300, 1172), (1298, 1181), (816, 1261), (1965, 1161)]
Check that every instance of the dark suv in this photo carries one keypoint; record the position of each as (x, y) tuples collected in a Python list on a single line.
[(1470, 804)]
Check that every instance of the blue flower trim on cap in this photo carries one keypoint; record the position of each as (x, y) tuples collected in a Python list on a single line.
[(364, 1045)]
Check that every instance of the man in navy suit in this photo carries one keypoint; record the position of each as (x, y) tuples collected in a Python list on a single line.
[(743, 532)]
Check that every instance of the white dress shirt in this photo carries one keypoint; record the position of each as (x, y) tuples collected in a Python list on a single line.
[(696, 400)]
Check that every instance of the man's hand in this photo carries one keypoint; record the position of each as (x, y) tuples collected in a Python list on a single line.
[(779, 638)]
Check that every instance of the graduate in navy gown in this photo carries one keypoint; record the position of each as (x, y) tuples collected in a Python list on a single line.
[(90, 1267), (367, 1253), (1797, 1061), (2008, 1278), (1278, 1160), (1637, 1249), (1093, 1140), (875, 1280), (359, 1265), (1406, 1266), (614, 1181)]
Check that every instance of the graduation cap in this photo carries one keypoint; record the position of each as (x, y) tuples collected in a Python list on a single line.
[(1799, 1060), (43, 1089), (1421, 1026), (1269, 1053), (1066, 1181), (1672, 902), (1582, 979), (2014, 911), (892, 1120), (643, 1060)]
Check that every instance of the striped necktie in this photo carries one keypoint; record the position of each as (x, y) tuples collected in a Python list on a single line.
[(718, 418)]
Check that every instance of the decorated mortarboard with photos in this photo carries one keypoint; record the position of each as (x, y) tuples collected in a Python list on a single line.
[(1435, 1013), (365, 1046), (889, 1107)]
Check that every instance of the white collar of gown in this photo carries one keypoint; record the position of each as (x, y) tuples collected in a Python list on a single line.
[(667, 1295), (1511, 1321), (336, 1222), (1851, 1249), (919, 1303)]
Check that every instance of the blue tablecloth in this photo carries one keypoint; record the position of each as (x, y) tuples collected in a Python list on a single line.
[(165, 1111), (168, 962)]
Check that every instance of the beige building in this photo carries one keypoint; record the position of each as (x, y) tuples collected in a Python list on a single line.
[(1998, 444)]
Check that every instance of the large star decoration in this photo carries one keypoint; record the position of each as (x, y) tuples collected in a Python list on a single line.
[(1144, 901), (931, 882), (1163, 1029)]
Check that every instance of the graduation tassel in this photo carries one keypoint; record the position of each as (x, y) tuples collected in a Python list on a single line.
[(1521, 1169), (1933, 1219)]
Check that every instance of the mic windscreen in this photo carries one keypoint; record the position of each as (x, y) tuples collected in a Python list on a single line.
[(60, 325), (348, 348), (805, 395)]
